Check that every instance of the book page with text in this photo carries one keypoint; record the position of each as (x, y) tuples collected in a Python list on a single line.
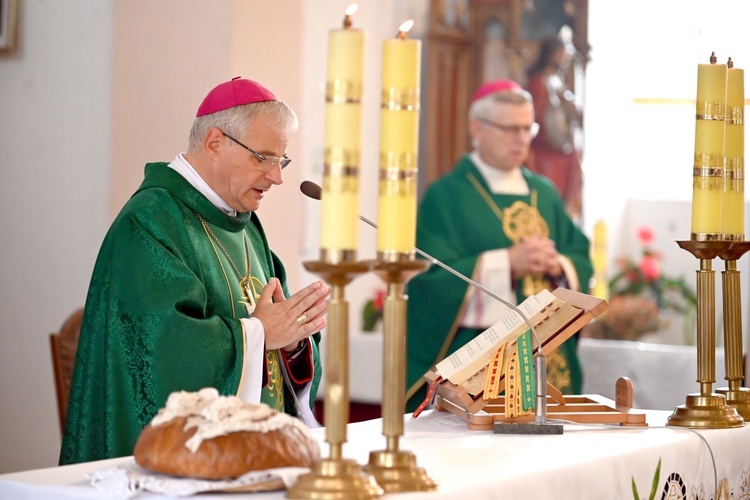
[(484, 345)]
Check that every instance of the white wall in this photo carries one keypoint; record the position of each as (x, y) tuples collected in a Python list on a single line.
[(380, 21), (640, 92), (640, 121), (54, 152)]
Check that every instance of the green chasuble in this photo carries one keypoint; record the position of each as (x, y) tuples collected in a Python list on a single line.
[(455, 225), (162, 315)]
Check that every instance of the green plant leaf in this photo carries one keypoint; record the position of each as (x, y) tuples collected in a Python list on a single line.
[(369, 317), (655, 482)]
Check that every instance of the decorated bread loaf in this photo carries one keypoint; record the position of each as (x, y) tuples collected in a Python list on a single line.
[(204, 435)]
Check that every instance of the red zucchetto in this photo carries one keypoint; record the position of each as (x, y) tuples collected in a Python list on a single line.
[(493, 87), (236, 92)]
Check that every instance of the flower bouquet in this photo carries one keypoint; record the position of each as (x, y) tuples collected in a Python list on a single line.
[(639, 295)]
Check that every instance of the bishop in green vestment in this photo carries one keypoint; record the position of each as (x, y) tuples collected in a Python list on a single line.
[(495, 221), (186, 292)]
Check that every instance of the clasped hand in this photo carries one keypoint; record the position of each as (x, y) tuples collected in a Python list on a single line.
[(279, 315), (534, 255)]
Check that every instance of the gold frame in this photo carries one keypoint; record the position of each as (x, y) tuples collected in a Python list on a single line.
[(8, 21)]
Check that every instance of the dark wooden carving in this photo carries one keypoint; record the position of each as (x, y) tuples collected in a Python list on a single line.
[(64, 345)]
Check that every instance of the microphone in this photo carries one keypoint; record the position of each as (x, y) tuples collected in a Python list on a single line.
[(312, 190)]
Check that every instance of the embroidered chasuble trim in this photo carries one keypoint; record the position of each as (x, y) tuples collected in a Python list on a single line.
[(519, 221), (273, 392)]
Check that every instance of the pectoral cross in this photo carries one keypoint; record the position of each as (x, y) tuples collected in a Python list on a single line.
[(248, 292)]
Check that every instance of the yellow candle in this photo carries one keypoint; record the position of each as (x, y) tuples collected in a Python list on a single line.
[(733, 210), (708, 165), (343, 142), (599, 259), (399, 144)]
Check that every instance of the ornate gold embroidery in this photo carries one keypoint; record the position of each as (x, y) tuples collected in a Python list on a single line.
[(519, 221), (558, 372), (275, 387)]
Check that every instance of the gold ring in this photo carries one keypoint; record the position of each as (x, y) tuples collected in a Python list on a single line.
[(302, 319)]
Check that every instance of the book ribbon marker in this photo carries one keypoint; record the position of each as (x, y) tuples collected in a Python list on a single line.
[(494, 373), (527, 382)]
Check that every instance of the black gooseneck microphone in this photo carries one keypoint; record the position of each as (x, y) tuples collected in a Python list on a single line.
[(312, 190)]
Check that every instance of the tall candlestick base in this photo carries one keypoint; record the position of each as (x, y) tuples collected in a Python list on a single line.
[(709, 411), (736, 396), (706, 409), (335, 478), (396, 470)]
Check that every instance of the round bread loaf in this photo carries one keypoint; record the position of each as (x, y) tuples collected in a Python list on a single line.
[(207, 436)]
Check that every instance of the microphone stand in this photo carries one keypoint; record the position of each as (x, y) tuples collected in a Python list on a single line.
[(312, 190), (540, 360)]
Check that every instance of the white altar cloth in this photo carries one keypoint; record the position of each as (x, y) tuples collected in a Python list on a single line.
[(584, 463), (662, 375)]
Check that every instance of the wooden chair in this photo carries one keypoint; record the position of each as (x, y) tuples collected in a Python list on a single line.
[(64, 345)]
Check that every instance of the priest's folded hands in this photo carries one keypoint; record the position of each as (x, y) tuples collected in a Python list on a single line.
[(288, 321), (534, 255)]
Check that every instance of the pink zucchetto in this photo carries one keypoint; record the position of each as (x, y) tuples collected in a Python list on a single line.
[(493, 87), (236, 92)]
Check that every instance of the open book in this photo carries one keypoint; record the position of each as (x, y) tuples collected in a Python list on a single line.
[(547, 311)]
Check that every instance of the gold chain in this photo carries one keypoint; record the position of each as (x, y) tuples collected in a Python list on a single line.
[(493, 206), (246, 282), (248, 264)]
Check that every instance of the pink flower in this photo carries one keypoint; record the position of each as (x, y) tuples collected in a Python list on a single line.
[(649, 266), (644, 234), (377, 301)]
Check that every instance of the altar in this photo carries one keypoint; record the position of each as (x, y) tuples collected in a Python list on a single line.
[(662, 375), (585, 462)]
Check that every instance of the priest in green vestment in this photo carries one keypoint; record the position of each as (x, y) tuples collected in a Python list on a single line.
[(504, 226), (186, 292)]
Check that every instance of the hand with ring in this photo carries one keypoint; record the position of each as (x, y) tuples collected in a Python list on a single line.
[(302, 319), (286, 321)]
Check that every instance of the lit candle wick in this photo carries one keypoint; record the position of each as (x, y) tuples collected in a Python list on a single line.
[(404, 29), (348, 13)]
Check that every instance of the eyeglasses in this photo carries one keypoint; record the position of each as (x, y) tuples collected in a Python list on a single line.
[(267, 163), (532, 130)]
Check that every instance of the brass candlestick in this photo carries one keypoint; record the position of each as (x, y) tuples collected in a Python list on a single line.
[(736, 396), (396, 470), (336, 478), (706, 409)]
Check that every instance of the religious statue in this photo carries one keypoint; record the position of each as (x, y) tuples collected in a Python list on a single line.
[(555, 152)]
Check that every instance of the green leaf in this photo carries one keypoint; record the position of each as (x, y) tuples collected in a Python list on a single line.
[(635, 488), (369, 317), (655, 482)]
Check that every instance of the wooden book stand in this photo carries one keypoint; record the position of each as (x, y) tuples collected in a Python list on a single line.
[(481, 414)]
